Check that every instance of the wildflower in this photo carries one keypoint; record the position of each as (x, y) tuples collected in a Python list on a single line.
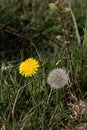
[(57, 78), (29, 67)]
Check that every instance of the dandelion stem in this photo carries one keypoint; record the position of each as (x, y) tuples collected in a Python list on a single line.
[(57, 97)]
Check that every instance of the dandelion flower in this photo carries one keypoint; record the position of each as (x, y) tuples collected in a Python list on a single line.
[(57, 78), (29, 67)]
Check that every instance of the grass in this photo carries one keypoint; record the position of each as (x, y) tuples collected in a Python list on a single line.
[(57, 39)]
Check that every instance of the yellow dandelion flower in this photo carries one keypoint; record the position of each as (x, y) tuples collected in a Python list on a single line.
[(29, 67)]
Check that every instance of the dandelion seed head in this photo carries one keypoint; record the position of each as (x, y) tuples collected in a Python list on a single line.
[(57, 78)]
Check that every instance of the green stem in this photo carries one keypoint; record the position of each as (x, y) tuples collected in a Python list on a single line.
[(76, 27), (57, 97)]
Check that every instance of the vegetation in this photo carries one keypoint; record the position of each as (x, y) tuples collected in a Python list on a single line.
[(55, 34)]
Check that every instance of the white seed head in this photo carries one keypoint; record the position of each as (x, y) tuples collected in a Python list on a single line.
[(57, 78)]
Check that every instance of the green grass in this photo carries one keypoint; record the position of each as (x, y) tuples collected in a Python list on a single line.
[(29, 103)]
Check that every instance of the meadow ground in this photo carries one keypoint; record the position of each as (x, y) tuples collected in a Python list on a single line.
[(48, 91)]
